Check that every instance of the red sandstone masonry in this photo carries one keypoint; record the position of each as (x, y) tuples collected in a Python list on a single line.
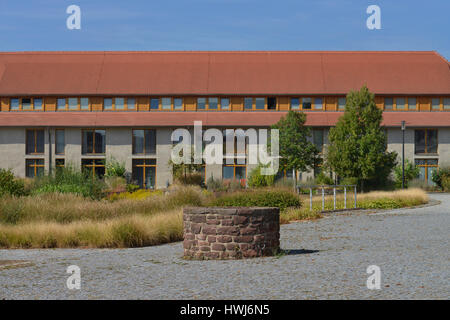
[(231, 232)]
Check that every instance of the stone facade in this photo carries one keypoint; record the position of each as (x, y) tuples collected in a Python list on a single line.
[(231, 233)]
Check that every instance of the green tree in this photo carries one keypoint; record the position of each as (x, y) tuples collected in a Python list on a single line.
[(297, 152), (358, 142), (411, 172)]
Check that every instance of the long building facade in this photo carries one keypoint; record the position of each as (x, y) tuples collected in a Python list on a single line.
[(82, 108)]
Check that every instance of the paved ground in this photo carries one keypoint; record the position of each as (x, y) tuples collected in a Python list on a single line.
[(328, 259)]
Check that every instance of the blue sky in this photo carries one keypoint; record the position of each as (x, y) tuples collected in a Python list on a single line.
[(225, 25)]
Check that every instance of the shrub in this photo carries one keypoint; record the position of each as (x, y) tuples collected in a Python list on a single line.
[(193, 178), (10, 185), (214, 184), (349, 181), (68, 180), (260, 198), (323, 179), (257, 180), (438, 176), (114, 168), (411, 172), (446, 183)]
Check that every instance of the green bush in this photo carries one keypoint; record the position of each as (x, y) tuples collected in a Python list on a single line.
[(260, 198), (193, 178), (411, 172), (323, 179), (446, 183), (438, 176), (10, 185), (114, 168), (257, 180), (68, 180), (132, 187)]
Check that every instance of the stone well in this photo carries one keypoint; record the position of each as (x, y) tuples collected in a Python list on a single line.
[(231, 232)]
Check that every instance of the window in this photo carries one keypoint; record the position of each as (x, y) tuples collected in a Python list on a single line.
[(318, 105), (201, 103), (26, 104), (166, 103), (341, 103), (59, 164), (93, 141), (144, 141), (272, 103), (213, 103), (425, 141), (318, 139), (412, 103), (435, 104), (154, 104), (107, 104), (225, 104), (427, 166), (34, 168), (260, 103), (144, 173), (119, 104), (60, 143), (178, 104), (35, 141), (295, 103), (306, 103), (446, 103), (388, 103), (73, 103), (234, 172), (248, 103), (131, 103), (37, 103), (84, 103), (61, 104), (14, 104), (400, 102), (94, 167)]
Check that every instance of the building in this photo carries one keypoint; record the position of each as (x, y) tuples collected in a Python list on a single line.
[(82, 107)]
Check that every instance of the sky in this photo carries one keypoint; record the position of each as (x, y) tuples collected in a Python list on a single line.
[(225, 25)]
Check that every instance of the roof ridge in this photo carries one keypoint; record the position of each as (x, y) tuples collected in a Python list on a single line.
[(220, 51)]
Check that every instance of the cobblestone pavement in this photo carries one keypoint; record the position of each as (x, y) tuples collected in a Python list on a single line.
[(328, 259)]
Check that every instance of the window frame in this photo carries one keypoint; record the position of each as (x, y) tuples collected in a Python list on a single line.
[(426, 166), (408, 106), (93, 142), (64, 148), (94, 165), (35, 130), (338, 105), (384, 104), (144, 166), (426, 141), (132, 141), (35, 166)]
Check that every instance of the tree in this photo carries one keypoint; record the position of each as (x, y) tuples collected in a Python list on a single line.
[(411, 172), (358, 142), (296, 151)]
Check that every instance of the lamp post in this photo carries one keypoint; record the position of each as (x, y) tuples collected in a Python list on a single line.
[(403, 154)]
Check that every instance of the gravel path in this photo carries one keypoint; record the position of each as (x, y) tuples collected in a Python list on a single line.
[(328, 259)]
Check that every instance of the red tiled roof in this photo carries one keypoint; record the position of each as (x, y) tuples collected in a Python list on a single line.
[(228, 73), (210, 119)]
